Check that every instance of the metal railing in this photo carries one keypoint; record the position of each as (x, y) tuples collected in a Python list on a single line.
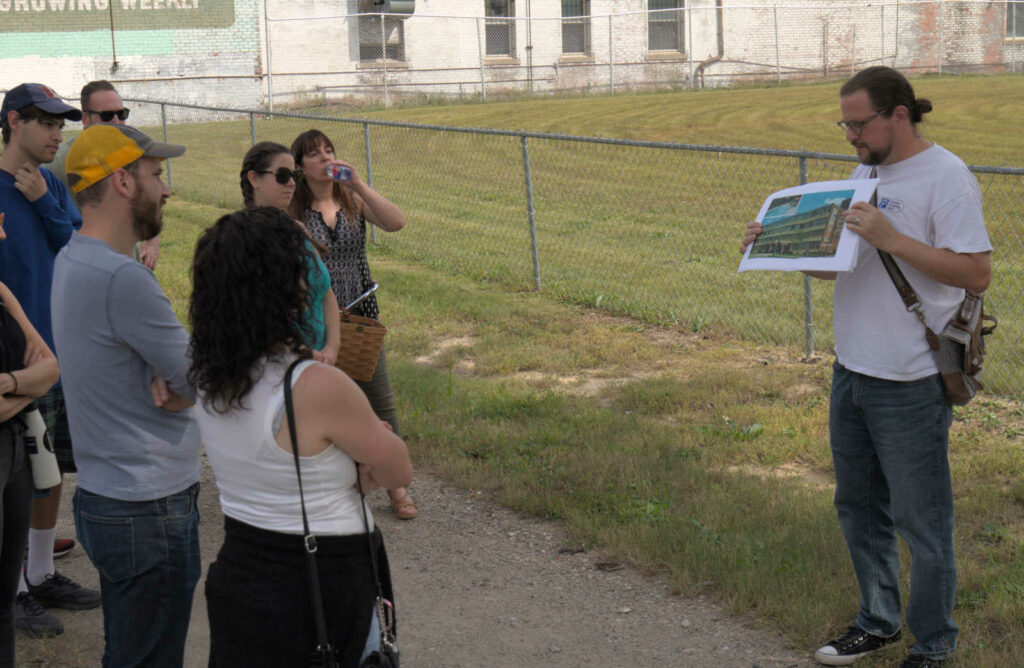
[(641, 228)]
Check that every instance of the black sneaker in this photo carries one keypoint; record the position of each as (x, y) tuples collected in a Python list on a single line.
[(57, 591), (918, 661), (30, 618), (853, 645)]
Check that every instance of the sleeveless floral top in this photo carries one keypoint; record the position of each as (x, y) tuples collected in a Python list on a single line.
[(345, 259)]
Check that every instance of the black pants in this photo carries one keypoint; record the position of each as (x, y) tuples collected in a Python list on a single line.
[(15, 514), (258, 601)]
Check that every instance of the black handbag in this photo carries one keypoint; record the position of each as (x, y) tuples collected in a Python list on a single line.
[(325, 655)]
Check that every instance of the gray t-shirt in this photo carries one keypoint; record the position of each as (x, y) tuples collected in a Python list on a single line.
[(114, 329)]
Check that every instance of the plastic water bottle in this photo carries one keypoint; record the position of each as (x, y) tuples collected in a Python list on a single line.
[(339, 172), (45, 472)]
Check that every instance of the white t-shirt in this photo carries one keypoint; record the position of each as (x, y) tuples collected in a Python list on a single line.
[(931, 197), (256, 477)]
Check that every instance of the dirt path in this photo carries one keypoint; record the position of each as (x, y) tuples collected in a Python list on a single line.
[(480, 585)]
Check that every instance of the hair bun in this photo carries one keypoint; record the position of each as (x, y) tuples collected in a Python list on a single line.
[(921, 107)]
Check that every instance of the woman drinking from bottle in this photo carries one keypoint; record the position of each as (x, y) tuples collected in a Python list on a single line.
[(335, 213)]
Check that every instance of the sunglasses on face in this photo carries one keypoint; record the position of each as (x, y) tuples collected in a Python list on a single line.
[(107, 116), (283, 175)]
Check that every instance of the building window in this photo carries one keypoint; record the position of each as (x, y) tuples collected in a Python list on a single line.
[(500, 27), (1015, 19), (576, 26), (370, 34), (665, 28)]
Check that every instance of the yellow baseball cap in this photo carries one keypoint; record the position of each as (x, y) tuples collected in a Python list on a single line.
[(101, 149)]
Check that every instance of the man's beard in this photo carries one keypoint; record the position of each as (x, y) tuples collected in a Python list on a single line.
[(147, 217), (876, 157)]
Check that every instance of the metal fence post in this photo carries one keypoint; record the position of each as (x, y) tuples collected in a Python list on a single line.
[(530, 212), (611, 58), (480, 54), (163, 121), (689, 37), (384, 61), (882, 19), (853, 50), (778, 61), (369, 174), (270, 76), (252, 128), (808, 307), (942, 46)]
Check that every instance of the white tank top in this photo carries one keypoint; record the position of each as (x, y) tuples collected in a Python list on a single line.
[(256, 477)]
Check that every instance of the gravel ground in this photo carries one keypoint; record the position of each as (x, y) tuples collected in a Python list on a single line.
[(478, 584)]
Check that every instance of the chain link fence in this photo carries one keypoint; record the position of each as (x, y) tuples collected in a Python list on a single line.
[(572, 47), (645, 229)]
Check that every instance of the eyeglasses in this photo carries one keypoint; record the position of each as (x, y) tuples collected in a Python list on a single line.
[(857, 127), (107, 116), (283, 175)]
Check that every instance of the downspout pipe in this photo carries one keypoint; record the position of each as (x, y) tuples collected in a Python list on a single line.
[(721, 45)]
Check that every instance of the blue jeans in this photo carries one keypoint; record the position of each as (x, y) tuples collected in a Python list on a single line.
[(890, 444), (147, 554)]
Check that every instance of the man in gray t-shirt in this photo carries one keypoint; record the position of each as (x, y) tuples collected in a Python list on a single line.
[(124, 365)]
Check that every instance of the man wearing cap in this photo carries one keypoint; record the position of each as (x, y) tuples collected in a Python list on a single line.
[(124, 357), (101, 103), (40, 218)]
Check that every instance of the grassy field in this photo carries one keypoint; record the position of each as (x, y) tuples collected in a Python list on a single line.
[(691, 455), (648, 233)]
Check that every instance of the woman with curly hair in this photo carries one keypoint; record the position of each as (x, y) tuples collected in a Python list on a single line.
[(335, 213), (249, 323), (269, 178)]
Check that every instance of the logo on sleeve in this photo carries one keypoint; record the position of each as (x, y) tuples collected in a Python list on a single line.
[(889, 204)]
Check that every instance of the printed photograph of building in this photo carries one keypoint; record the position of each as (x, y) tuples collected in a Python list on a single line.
[(806, 226)]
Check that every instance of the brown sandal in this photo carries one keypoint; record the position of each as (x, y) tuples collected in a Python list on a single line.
[(404, 507)]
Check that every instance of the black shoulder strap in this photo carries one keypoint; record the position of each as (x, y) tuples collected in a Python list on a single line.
[(308, 539)]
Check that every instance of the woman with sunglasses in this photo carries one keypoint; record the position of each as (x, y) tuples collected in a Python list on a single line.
[(243, 341), (27, 370), (269, 178), (335, 214)]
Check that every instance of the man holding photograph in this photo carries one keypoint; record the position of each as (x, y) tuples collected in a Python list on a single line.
[(888, 418)]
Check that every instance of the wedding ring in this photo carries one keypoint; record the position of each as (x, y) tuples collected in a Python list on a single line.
[(856, 219)]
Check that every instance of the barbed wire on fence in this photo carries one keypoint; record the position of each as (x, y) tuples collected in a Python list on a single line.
[(534, 210)]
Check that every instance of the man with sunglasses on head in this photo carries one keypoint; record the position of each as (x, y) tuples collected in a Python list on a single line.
[(101, 103), (889, 418)]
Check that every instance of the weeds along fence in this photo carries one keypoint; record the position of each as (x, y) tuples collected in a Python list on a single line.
[(645, 229)]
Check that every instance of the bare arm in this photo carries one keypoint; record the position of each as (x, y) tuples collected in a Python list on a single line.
[(331, 409), (971, 271), (41, 371), (329, 354), (378, 209)]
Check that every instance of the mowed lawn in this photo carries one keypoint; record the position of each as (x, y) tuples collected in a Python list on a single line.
[(675, 436), (645, 232)]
